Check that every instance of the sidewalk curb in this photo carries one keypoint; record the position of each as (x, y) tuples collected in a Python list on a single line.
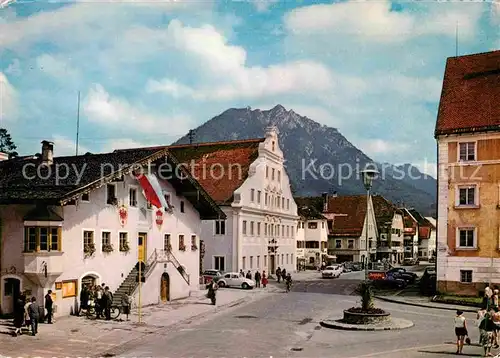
[(400, 324), (121, 348), (450, 308)]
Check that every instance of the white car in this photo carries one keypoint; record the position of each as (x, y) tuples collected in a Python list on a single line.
[(233, 279), (331, 272)]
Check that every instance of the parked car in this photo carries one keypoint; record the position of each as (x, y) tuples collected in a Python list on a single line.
[(410, 261), (399, 272), (209, 275), (428, 282), (331, 271), (432, 260), (382, 279), (233, 279), (346, 267), (357, 266)]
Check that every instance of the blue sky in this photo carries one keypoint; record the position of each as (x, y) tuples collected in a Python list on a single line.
[(148, 71)]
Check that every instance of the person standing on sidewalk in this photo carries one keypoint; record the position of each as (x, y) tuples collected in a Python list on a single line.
[(126, 304), (107, 300), (264, 279), (257, 279), (48, 306), (278, 274), (34, 314), (19, 315)]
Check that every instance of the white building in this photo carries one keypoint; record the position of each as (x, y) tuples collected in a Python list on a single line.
[(312, 232), (249, 182), (431, 242), (93, 226)]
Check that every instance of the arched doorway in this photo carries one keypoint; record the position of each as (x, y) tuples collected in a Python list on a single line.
[(11, 290), (89, 281), (165, 287)]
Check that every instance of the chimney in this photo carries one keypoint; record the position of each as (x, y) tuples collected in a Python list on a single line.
[(325, 202), (3, 156), (47, 152)]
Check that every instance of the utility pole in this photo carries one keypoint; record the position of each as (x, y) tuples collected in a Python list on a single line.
[(140, 296), (191, 136)]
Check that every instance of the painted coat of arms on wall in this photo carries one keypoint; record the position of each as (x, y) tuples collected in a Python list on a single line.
[(123, 214)]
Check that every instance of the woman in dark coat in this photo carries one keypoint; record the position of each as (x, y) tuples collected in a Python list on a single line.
[(19, 315)]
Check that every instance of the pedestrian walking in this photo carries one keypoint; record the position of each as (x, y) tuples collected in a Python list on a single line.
[(34, 314), (264, 279), (283, 274), (487, 327), (278, 274), (242, 274), (460, 330), (84, 299), (48, 306), (257, 279), (19, 315), (249, 275), (126, 304)]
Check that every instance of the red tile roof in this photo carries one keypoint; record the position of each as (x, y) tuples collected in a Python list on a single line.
[(354, 208), (424, 232), (469, 98), (219, 167)]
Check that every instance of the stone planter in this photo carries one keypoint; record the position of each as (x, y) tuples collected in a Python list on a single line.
[(365, 318)]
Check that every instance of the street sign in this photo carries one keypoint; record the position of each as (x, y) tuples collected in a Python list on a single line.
[(376, 275)]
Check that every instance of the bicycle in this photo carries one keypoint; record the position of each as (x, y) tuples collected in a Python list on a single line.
[(115, 312)]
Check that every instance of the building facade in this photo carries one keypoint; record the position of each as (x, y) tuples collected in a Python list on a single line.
[(410, 235), (313, 228), (431, 242), (390, 230), (468, 139), (352, 232), (252, 188), (60, 234)]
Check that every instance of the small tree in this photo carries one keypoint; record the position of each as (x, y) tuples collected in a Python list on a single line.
[(366, 293), (7, 144)]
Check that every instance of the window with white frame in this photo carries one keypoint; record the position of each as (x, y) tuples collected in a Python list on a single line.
[(467, 195), (466, 276), (244, 227), (220, 263), (467, 151), (251, 262), (350, 244), (338, 244), (243, 260), (251, 228), (258, 261), (259, 193), (123, 237), (132, 197), (466, 238), (106, 241), (167, 242), (220, 227), (258, 229), (252, 195)]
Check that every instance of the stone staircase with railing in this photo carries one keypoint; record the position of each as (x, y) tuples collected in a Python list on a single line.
[(130, 284)]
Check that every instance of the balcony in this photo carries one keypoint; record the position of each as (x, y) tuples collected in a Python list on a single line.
[(43, 268)]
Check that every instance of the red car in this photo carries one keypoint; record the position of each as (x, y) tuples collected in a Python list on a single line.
[(209, 275)]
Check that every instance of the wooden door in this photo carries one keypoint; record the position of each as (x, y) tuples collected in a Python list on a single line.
[(165, 288), (142, 239), (11, 293)]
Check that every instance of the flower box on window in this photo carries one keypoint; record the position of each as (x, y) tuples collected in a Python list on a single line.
[(194, 247), (107, 248), (182, 247), (168, 247), (89, 249), (124, 247)]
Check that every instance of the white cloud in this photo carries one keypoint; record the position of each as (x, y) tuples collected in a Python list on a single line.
[(230, 77), (100, 107), (376, 22), (8, 100), (64, 146), (377, 147), (263, 5), (57, 68), (14, 68)]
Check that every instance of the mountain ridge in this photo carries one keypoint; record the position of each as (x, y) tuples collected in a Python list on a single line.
[(307, 144)]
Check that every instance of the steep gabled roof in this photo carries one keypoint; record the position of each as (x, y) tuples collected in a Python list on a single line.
[(310, 208), (384, 211), (220, 167), (409, 222), (348, 214), (68, 177), (469, 98)]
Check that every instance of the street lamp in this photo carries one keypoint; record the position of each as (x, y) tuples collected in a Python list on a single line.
[(368, 176)]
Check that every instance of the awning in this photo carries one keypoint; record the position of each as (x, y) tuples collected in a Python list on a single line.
[(152, 190)]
